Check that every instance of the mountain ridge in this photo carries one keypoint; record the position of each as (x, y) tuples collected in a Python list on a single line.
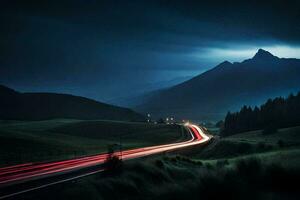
[(227, 86), (41, 106)]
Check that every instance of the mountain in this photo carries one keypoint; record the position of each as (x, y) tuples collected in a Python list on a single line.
[(40, 106), (226, 87), (148, 89)]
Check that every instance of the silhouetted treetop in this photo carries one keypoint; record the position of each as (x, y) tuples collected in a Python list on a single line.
[(275, 113)]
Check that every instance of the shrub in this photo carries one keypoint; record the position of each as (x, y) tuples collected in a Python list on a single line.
[(199, 163), (222, 163), (208, 166)]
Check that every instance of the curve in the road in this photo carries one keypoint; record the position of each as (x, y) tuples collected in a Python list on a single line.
[(29, 171)]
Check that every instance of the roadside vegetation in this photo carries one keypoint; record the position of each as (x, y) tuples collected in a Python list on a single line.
[(179, 177)]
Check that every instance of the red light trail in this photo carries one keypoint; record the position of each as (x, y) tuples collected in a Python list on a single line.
[(32, 171)]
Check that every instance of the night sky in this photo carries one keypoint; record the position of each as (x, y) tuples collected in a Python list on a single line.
[(110, 49)]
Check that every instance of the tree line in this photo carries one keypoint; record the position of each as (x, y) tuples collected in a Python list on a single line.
[(275, 113)]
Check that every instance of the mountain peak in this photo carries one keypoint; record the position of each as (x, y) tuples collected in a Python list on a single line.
[(224, 64), (263, 55)]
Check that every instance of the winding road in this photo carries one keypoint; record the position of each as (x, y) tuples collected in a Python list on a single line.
[(23, 173)]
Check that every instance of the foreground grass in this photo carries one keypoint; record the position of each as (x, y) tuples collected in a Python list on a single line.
[(178, 177), (33, 141)]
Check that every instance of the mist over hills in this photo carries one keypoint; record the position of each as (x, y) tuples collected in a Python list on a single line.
[(227, 86), (148, 90), (40, 106)]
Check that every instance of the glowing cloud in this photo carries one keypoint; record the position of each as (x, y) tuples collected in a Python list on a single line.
[(239, 53)]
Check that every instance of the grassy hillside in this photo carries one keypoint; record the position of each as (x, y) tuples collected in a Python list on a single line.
[(252, 142), (64, 138), (290, 136), (178, 177), (225, 169), (42, 106)]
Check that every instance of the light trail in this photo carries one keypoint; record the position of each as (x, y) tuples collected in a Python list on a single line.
[(34, 171)]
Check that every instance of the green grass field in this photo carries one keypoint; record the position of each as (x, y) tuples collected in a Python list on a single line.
[(63, 138), (290, 136), (251, 143)]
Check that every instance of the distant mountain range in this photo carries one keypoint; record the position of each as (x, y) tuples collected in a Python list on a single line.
[(40, 106), (227, 86), (147, 89)]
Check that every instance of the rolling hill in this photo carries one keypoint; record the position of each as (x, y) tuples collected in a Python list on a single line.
[(227, 86), (40, 106)]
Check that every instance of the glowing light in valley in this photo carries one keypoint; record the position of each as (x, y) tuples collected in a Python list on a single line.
[(187, 124)]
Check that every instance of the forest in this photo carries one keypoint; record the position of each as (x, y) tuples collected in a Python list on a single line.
[(275, 113)]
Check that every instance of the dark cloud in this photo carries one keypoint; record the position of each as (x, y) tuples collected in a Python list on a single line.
[(105, 45)]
